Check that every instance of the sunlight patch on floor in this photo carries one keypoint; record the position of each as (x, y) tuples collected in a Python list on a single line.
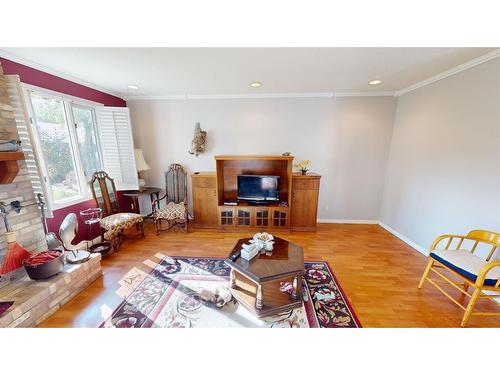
[(106, 311)]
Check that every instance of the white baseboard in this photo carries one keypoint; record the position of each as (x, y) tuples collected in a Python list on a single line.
[(404, 239), (346, 221)]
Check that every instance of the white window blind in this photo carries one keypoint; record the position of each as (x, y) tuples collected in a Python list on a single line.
[(15, 92), (115, 133)]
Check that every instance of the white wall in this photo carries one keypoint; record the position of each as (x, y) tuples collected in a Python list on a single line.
[(443, 173), (346, 139)]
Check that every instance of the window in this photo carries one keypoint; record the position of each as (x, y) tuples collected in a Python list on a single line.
[(86, 133), (66, 137)]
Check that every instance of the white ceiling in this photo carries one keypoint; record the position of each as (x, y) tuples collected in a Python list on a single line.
[(229, 71)]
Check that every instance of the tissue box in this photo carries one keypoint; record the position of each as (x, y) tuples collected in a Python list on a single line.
[(249, 251)]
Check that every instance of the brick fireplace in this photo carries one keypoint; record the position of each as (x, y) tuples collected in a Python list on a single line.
[(33, 301), (27, 223)]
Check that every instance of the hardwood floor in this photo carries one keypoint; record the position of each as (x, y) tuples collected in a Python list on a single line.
[(378, 272)]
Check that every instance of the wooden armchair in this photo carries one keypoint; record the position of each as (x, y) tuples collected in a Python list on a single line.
[(458, 259), (175, 208), (113, 222)]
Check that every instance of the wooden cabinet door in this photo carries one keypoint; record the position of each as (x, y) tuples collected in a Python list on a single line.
[(305, 195), (205, 207), (227, 216), (304, 209), (279, 217), (243, 217), (262, 217)]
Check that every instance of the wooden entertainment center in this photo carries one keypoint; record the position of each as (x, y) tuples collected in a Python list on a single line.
[(213, 191)]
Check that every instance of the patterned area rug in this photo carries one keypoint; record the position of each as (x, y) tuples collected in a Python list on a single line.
[(169, 296)]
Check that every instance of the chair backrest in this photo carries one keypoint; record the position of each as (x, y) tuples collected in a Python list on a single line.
[(492, 238), (104, 193), (485, 237), (176, 184), (68, 230)]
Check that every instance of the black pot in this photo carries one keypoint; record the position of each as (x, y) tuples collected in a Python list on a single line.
[(46, 270)]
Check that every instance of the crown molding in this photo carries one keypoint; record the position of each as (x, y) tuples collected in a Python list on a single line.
[(460, 68), (263, 95), (472, 63), (364, 93), (231, 96), (9, 56), (328, 95), (155, 97)]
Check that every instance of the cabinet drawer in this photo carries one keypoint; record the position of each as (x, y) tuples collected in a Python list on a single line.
[(305, 183), (204, 182)]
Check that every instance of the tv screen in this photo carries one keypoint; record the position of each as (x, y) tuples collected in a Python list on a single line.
[(258, 188)]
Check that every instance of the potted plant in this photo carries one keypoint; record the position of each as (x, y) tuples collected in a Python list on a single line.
[(303, 166)]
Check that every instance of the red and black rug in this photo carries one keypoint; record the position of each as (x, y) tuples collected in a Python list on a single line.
[(169, 296)]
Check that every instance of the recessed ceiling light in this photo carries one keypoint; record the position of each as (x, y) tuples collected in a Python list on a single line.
[(256, 84), (375, 82), (133, 87)]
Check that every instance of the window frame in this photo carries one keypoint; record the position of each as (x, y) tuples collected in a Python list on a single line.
[(79, 105), (68, 103)]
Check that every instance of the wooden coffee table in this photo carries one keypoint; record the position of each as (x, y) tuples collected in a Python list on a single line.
[(256, 283)]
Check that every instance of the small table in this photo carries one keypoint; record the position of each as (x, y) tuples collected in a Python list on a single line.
[(258, 284), (91, 216), (135, 194)]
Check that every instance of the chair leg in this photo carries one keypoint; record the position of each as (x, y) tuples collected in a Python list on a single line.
[(157, 225), (470, 307), (426, 273), (186, 226), (115, 243), (142, 229), (119, 239)]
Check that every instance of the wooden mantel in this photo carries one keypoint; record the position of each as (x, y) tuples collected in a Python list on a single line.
[(9, 167)]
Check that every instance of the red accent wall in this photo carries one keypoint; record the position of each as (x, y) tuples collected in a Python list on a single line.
[(51, 82)]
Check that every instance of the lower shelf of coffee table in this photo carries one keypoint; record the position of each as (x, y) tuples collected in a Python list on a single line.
[(274, 300)]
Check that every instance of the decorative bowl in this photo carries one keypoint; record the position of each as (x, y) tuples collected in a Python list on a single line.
[(263, 237), (40, 271)]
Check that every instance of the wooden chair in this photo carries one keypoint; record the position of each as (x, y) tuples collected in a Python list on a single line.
[(113, 222), (174, 210), (458, 257)]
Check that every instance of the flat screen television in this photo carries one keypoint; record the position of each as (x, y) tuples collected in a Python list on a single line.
[(258, 188)]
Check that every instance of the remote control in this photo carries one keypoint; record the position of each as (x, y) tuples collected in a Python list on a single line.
[(235, 256)]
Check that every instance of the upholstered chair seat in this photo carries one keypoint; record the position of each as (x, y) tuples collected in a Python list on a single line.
[(116, 223), (171, 211), (466, 264)]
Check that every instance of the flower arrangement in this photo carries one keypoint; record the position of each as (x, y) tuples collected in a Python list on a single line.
[(303, 166)]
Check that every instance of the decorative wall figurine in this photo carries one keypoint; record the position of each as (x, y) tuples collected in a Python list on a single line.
[(198, 143)]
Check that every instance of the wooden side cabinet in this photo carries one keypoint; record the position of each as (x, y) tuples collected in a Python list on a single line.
[(305, 195), (205, 204)]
